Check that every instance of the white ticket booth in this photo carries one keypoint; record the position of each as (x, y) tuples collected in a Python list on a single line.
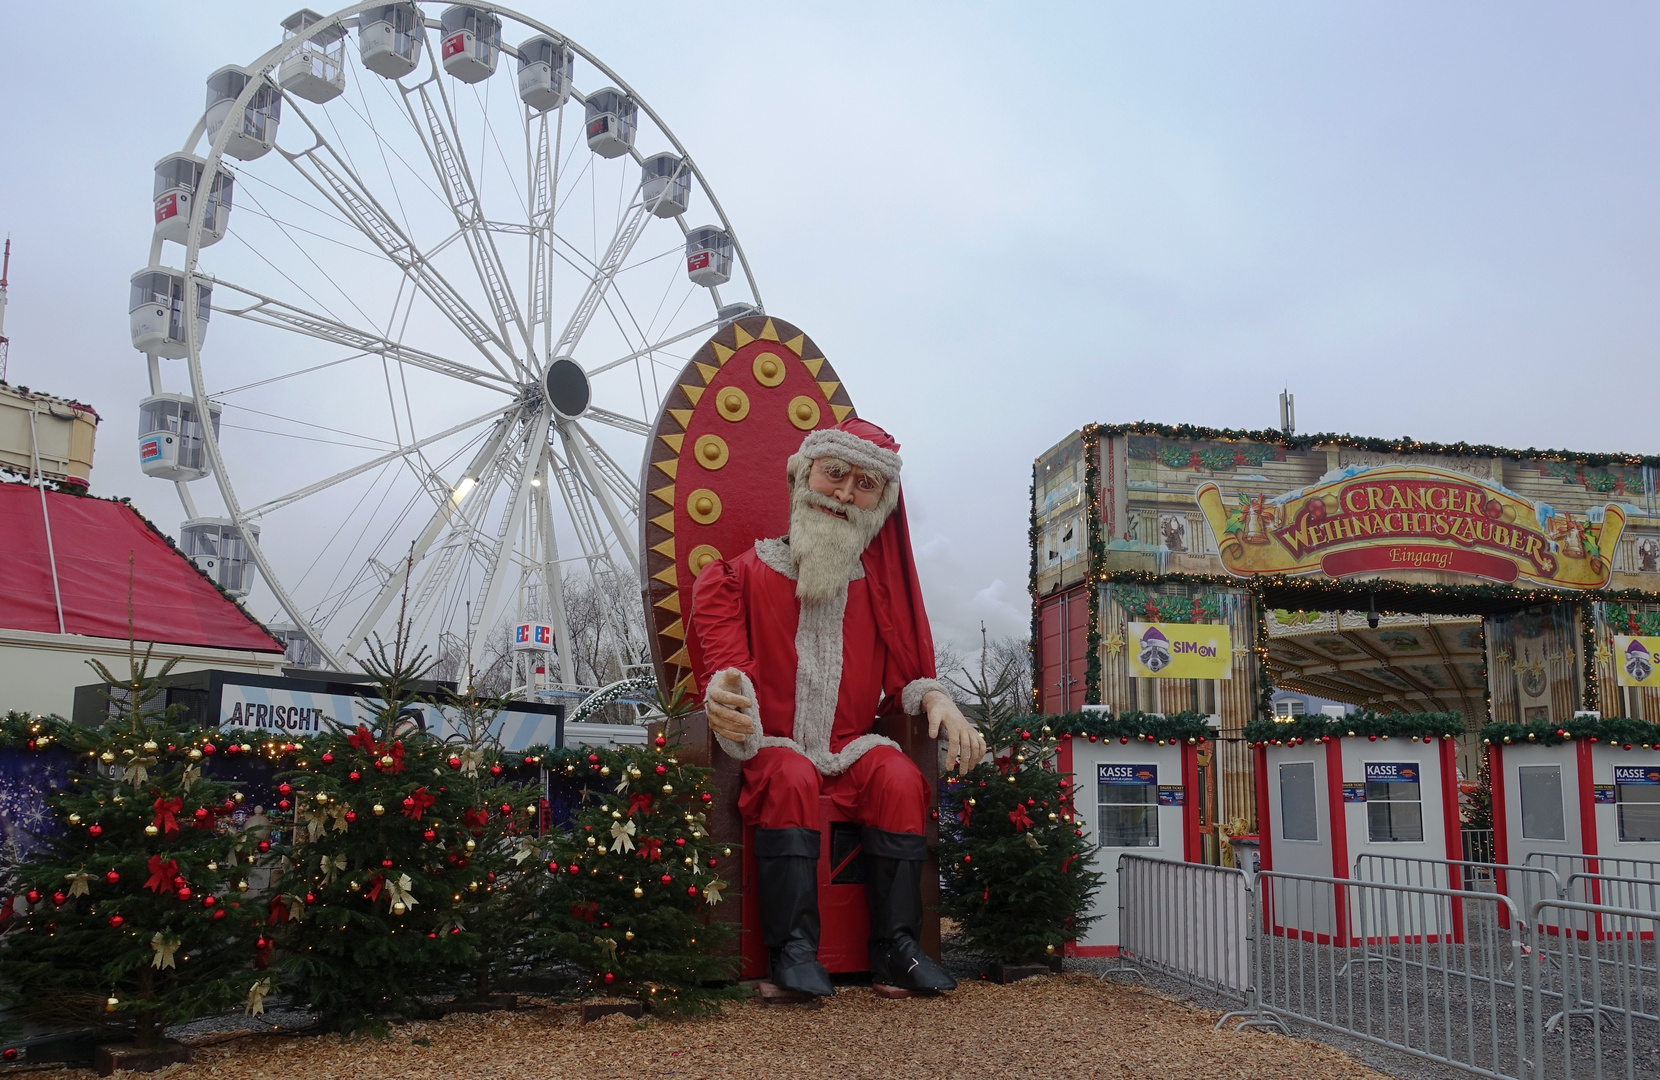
[(1579, 806), (1353, 807), (1131, 798)]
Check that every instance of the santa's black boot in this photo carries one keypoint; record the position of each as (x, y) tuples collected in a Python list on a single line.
[(894, 887), (787, 865)]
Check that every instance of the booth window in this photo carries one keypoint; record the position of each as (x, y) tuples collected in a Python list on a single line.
[(1541, 790), (1129, 815), (1394, 812), (1298, 820), (1638, 807)]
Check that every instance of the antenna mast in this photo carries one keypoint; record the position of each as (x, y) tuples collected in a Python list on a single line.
[(5, 342)]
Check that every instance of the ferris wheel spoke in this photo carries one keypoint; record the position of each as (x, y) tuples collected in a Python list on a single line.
[(603, 277), (253, 513), (695, 332), (618, 421), (339, 183), (527, 466), (436, 127), (577, 443), (285, 316)]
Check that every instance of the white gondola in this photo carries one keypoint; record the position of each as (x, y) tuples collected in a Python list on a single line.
[(215, 545), (170, 437), (300, 650), (731, 313), (157, 315), (256, 129), (389, 39), (471, 42), (666, 184), (316, 70), (612, 119), (709, 256), (546, 68), (177, 178)]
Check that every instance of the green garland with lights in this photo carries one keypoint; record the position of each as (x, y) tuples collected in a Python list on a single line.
[(1097, 552), (1609, 730), (1032, 649), (1368, 725), (1100, 724)]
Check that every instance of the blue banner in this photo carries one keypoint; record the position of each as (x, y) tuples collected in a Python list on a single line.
[(1394, 772), (1145, 775), (1646, 775)]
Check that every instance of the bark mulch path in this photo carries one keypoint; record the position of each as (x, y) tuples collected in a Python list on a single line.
[(1069, 1025)]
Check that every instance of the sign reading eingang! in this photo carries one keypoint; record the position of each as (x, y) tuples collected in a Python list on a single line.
[(1396, 518)]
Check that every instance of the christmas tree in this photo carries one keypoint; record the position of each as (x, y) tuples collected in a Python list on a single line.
[(135, 912), (638, 873), (389, 821), (1016, 869)]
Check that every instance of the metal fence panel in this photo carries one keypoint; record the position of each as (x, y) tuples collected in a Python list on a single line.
[(1422, 970), (1595, 982), (1186, 920)]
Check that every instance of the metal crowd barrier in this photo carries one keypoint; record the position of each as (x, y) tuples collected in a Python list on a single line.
[(1566, 864), (1438, 958), (1186, 920), (1476, 844)]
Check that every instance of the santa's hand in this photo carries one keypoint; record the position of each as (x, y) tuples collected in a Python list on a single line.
[(721, 704), (965, 746)]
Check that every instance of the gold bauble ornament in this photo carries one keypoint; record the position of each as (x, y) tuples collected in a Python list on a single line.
[(638, 892), (150, 746), (398, 909), (605, 770), (668, 789), (591, 841), (151, 830), (242, 886), (74, 819), (628, 935), (111, 1003), (322, 797), (378, 809), (195, 754), (213, 866), (471, 845), (236, 796), (107, 757)]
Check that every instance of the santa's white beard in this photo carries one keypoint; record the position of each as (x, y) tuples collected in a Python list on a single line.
[(826, 548)]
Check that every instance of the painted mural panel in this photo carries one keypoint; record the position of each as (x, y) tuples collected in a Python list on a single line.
[(1534, 664), (1062, 536)]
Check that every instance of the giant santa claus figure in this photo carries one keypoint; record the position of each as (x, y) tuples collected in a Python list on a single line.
[(799, 644)]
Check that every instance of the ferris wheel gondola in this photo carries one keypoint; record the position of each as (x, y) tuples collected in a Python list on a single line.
[(445, 315)]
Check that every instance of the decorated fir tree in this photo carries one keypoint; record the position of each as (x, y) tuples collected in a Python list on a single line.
[(637, 874), (386, 864), (1016, 869), (133, 913)]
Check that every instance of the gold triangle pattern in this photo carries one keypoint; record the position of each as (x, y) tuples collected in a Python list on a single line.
[(707, 371), (769, 332), (694, 394), (665, 521), (680, 659), (813, 366), (674, 441), (841, 411), (666, 547), (670, 602), (667, 577), (669, 468), (675, 629), (796, 343), (683, 416), (722, 353), (829, 389), (740, 337), (666, 494)]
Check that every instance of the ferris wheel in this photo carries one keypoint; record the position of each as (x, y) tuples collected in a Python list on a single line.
[(445, 310)]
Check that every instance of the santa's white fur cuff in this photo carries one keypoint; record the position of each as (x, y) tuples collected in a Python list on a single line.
[(830, 442), (911, 698)]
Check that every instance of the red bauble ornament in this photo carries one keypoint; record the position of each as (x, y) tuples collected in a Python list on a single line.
[(282, 804), (660, 741), (184, 893), (10, 1053), (116, 921), (408, 802), (33, 896), (386, 864), (662, 770), (454, 763), (1123, 738), (209, 749), (713, 861), (491, 876), (432, 933), (218, 913), (201, 813), (691, 890), (680, 842), (351, 816), (265, 845), (285, 789), (429, 836), (506, 808), (593, 759), (58, 898), (261, 944), (112, 877), (328, 758), (311, 898), (232, 749), (667, 880), (495, 770), (553, 868), (209, 900), (968, 858), (575, 869), (95, 830), (354, 776), (609, 978)]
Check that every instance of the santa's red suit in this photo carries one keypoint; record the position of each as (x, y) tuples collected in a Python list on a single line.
[(821, 675)]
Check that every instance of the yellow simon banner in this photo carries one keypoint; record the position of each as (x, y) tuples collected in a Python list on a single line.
[(1180, 651), (1637, 660), (1395, 519)]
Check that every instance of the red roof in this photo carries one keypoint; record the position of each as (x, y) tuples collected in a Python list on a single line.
[(172, 601)]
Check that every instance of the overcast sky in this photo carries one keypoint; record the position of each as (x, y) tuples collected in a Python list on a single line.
[(1003, 221)]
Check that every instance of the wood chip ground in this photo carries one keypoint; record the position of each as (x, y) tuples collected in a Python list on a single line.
[(1066, 1026)]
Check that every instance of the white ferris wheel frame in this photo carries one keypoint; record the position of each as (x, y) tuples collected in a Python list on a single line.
[(598, 472)]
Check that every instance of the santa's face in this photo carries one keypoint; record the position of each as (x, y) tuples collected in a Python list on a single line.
[(846, 484)]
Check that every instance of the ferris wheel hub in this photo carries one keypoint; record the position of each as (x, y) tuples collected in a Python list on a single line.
[(567, 389)]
